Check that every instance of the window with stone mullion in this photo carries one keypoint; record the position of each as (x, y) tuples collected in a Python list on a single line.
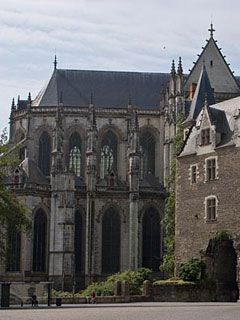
[(211, 209), (211, 169)]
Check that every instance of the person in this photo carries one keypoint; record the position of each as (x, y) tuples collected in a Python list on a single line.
[(93, 300), (34, 301)]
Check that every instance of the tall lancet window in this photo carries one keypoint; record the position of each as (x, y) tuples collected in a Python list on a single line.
[(75, 159), (44, 157), (108, 154), (147, 142), (39, 241), (13, 250)]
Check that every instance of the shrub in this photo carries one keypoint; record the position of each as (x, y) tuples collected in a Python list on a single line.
[(222, 235), (106, 288), (193, 270)]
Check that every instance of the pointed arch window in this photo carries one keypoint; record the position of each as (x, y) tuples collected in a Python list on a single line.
[(39, 241), (147, 142), (151, 239), (75, 159), (13, 250), (44, 158), (108, 154), (111, 233)]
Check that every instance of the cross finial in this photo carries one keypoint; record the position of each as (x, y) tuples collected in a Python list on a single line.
[(211, 30)]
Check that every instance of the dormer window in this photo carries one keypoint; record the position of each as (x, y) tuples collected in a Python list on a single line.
[(205, 137)]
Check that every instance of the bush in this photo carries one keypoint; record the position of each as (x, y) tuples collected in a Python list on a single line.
[(100, 288), (222, 235), (106, 288), (192, 270), (173, 281)]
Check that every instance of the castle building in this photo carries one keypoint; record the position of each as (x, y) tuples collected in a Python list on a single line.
[(96, 148), (207, 185)]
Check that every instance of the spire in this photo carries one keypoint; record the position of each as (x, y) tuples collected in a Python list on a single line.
[(55, 62), (13, 107), (173, 70), (211, 30), (180, 69), (203, 95)]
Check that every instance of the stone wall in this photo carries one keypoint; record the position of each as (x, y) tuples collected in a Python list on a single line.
[(193, 231)]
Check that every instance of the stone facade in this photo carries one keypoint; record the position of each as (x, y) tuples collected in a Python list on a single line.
[(94, 169)]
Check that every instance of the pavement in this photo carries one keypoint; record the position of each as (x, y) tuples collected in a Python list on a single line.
[(131, 311)]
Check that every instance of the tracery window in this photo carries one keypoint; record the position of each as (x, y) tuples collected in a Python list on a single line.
[(108, 154), (13, 250), (147, 142), (75, 154), (44, 157), (39, 241), (151, 239), (111, 233)]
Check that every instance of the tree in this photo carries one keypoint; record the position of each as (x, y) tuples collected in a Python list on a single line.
[(13, 214)]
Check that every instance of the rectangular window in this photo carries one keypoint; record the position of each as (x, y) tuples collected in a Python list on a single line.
[(211, 169), (205, 137), (211, 209), (193, 174)]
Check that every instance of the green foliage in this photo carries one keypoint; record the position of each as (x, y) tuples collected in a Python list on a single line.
[(222, 235), (12, 213), (193, 270), (106, 288), (169, 215), (173, 281)]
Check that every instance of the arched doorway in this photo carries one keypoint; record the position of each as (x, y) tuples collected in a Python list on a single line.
[(111, 232), (221, 267), (39, 241), (151, 239)]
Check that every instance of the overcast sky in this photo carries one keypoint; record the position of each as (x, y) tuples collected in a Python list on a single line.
[(132, 35)]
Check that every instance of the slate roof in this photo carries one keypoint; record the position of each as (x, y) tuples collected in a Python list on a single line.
[(203, 91), (111, 89)]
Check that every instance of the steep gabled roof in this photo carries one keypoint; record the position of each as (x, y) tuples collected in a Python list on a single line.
[(217, 69), (111, 89), (203, 91)]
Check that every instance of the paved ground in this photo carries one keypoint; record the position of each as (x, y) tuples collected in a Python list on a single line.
[(143, 311)]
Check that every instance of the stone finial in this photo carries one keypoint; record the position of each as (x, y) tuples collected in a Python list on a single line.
[(173, 70), (130, 100), (29, 98), (92, 114), (180, 69), (55, 62), (13, 106)]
